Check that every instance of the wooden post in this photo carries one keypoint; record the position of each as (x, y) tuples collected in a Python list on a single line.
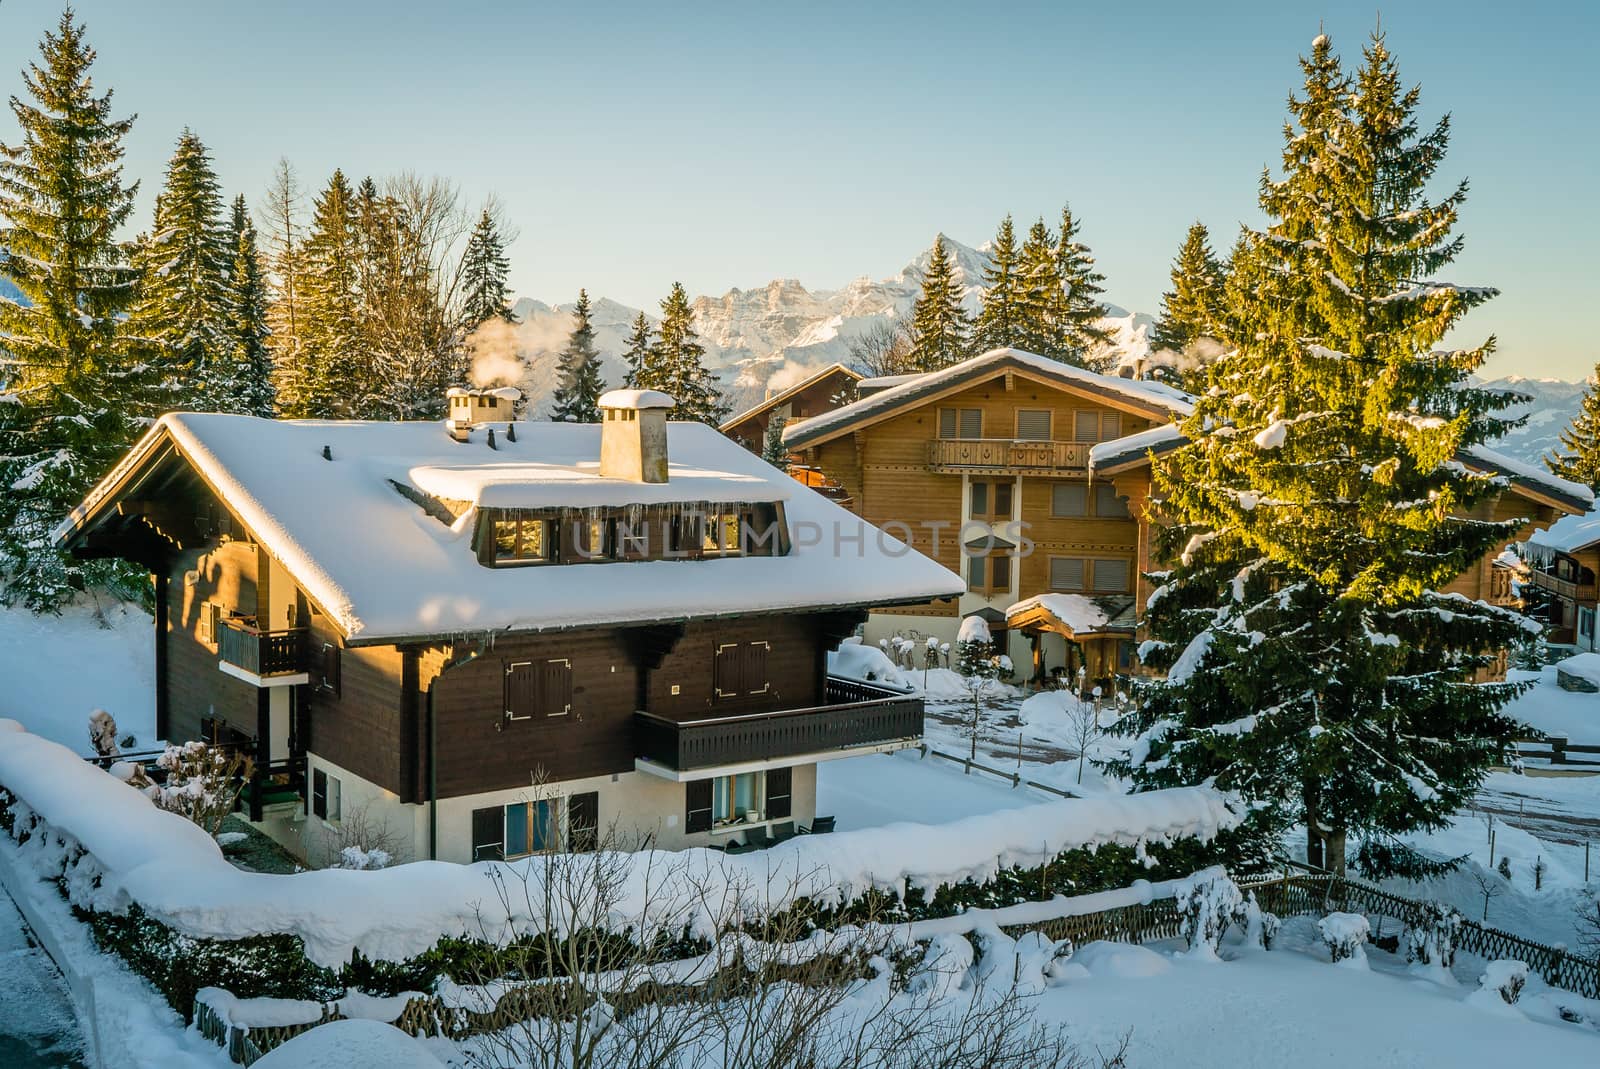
[(163, 707)]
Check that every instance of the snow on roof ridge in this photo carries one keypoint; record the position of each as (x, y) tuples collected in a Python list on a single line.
[(1129, 445), (636, 399), (1141, 390), (1508, 465)]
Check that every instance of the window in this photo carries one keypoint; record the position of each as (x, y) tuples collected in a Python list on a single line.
[(1096, 426), (980, 499), (538, 688), (326, 796), (721, 533), (961, 423), (1111, 576), (1033, 424), (991, 499), (1586, 623), (738, 799), (532, 827), (488, 834), (583, 822), (1107, 503), (328, 668), (989, 574), (1069, 499), (977, 571), (205, 628), (740, 670), (520, 541), (1066, 573)]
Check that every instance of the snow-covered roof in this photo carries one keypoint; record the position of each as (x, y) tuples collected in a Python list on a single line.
[(1156, 398), (636, 399), (1078, 613), (884, 382), (1585, 666), (504, 393), (385, 569), (1134, 447), (1569, 534), (779, 398)]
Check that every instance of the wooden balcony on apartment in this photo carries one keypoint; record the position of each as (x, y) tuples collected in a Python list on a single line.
[(1005, 456), (264, 658)]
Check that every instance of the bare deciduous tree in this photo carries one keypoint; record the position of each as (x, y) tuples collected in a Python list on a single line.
[(884, 348)]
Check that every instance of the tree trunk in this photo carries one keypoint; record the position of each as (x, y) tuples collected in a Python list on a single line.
[(1334, 846), (1314, 842)]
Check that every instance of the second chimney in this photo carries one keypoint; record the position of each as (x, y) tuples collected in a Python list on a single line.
[(633, 435)]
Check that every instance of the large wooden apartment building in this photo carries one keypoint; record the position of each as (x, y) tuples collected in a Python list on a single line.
[(498, 638), (1033, 479)]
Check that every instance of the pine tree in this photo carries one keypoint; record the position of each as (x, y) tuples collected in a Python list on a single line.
[(773, 451), (1192, 308), (1312, 663), (1579, 459), (579, 386), (331, 376), (484, 269), (183, 306), (1039, 291), (675, 364), (637, 353), (1079, 336), (940, 327), (247, 321), (1000, 320), (73, 393)]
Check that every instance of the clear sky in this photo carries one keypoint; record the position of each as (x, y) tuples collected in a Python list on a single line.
[(728, 144)]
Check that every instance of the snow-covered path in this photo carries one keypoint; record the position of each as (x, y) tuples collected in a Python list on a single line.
[(37, 1025)]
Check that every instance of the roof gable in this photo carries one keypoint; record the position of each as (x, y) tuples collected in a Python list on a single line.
[(768, 404)]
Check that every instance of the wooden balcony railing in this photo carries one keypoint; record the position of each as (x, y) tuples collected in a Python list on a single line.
[(1003, 454), (1564, 588), (858, 714), (262, 653)]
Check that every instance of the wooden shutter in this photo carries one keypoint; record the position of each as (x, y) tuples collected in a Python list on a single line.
[(779, 785), (1110, 426), (1001, 571), (972, 423), (1066, 573), (754, 675), (1107, 503), (947, 423), (555, 687), (1086, 427), (1069, 499), (976, 569), (488, 834), (330, 667), (697, 806), (1033, 424), (727, 671), (583, 821), (1002, 499), (522, 690), (1111, 576), (319, 793), (980, 499)]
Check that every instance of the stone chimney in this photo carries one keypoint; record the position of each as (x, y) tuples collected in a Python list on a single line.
[(633, 435), (468, 408)]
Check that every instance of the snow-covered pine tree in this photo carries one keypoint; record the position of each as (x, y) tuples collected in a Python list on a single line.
[(1039, 291), (675, 364), (247, 320), (73, 393), (1311, 662), (1080, 339), (773, 451), (183, 307), (941, 329), (579, 385), (1000, 319), (637, 353), (484, 271), (1192, 308), (1579, 456), (330, 369)]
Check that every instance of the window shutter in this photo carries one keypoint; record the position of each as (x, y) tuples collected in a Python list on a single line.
[(980, 499), (972, 423), (319, 793), (947, 423), (754, 677), (779, 785), (697, 806), (330, 667), (1002, 499), (522, 697), (1069, 499), (1111, 576), (1110, 426), (1066, 573), (1002, 571), (727, 671), (1086, 427), (583, 822), (555, 687), (1033, 424), (1107, 503)]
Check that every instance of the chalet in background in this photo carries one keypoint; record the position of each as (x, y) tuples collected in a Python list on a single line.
[(1563, 563), (497, 640), (821, 391), (1033, 478)]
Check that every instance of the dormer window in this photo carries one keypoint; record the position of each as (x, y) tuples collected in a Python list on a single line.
[(521, 541)]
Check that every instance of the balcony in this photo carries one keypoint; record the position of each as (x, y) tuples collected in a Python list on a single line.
[(262, 658), (1003, 456), (1563, 588), (859, 718)]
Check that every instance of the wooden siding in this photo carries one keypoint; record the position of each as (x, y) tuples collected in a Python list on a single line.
[(360, 728), (222, 572), (1094, 537), (791, 668)]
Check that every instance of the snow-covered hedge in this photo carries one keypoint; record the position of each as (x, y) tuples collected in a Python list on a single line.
[(132, 852)]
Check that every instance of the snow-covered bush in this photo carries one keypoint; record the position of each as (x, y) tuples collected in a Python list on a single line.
[(1260, 926), (1346, 936), (1506, 977), (1432, 941), (103, 734), (202, 784), (946, 960), (358, 841), (353, 857), (1204, 910), (1041, 961)]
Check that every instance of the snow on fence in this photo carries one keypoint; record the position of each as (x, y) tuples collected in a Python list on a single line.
[(133, 852), (1319, 893)]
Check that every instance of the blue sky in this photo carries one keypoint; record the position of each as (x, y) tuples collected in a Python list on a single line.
[(727, 144)]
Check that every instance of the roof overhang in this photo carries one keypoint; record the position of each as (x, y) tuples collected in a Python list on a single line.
[(768, 404)]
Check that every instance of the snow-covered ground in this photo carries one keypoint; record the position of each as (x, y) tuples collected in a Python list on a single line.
[(1571, 714), (865, 792), (55, 670), (37, 1026)]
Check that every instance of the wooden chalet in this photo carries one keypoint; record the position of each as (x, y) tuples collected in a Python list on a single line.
[(502, 638), (1564, 561), (822, 391)]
